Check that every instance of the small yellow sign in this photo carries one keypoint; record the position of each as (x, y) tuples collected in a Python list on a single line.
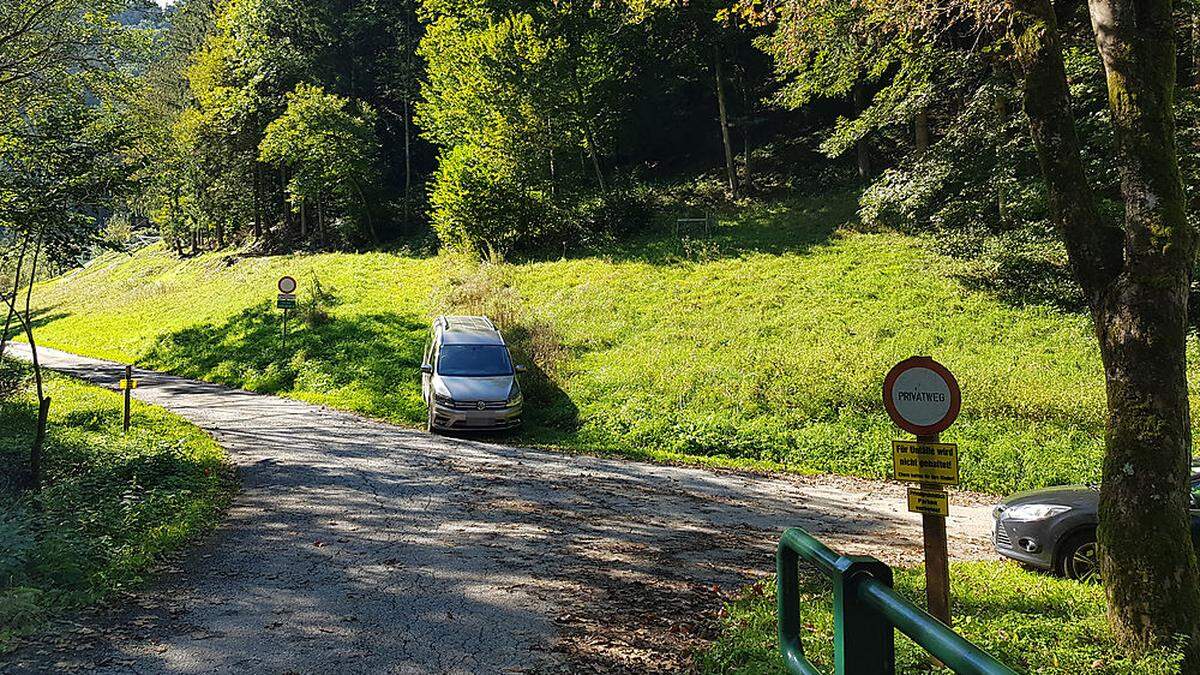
[(917, 462), (127, 384), (931, 502)]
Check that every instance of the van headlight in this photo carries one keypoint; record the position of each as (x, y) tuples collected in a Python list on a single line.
[(443, 399), (514, 395), (1030, 512)]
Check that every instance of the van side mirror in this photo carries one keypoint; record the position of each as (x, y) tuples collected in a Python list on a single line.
[(521, 369), (427, 368)]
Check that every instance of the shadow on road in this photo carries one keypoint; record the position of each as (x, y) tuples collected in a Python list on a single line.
[(357, 546)]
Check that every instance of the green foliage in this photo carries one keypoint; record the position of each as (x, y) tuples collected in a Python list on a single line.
[(480, 204), (270, 126), (329, 146), (62, 133), (1031, 621), (111, 505), (13, 377), (513, 94), (763, 343)]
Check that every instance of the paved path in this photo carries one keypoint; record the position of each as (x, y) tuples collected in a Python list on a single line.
[(356, 546)]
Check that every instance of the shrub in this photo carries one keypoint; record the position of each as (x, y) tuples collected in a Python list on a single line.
[(479, 203)]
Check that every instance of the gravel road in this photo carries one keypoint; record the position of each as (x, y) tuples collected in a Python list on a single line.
[(357, 546)]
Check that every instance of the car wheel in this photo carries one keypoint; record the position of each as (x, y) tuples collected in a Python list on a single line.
[(429, 422), (1078, 558)]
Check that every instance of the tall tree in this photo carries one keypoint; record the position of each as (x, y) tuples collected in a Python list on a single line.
[(1136, 279)]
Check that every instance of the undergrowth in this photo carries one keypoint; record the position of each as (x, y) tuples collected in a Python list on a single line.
[(110, 505)]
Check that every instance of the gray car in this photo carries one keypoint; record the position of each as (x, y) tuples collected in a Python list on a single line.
[(468, 379), (1055, 528)]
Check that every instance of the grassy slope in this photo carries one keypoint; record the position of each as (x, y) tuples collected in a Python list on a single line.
[(111, 505), (1030, 621), (768, 340)]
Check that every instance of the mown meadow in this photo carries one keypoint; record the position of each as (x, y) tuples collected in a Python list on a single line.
[(762, 343)]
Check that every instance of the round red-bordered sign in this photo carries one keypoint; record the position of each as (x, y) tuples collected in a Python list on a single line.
[(921, 396), (287, 285)]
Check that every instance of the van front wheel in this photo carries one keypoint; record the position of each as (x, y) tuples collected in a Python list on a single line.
[(429, 422)]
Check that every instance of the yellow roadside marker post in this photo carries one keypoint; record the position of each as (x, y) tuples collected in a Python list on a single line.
[(127, 386)]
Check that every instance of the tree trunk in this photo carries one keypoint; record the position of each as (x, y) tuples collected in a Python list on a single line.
[(258, 209), (1196, 50), (747, 181), (1137, 283), (284, 208), (589, 135), (303, 220), (321, 220), (12, 304), (591, 148), (1000, 106), (407, 163), (25, 319), (730, 169), (1154, 589), (39, 441), (921, 132), (862, 147)]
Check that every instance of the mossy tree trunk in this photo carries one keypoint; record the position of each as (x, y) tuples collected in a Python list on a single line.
[(1136, 279)]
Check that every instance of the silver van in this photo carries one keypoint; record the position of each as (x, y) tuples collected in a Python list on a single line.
[(468, 379)]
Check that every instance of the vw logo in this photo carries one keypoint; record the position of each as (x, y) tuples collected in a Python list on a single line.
[(480, 405)]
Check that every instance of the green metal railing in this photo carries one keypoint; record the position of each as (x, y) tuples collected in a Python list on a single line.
[(865, 611)]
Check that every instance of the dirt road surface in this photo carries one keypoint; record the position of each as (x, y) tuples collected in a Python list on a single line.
[(357, 546)]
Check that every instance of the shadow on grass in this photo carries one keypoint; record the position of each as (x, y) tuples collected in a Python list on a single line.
[(368, 363), (39, 317), (794, 226), (108, 506)]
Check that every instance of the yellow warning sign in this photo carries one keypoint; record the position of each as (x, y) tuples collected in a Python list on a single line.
[(127, 384), (917, 462), (932, 502)]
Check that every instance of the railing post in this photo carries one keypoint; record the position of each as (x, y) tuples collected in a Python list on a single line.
[(787, 603), (864, 641)]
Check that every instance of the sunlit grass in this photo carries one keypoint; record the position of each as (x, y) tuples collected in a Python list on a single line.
[(762, 344), (111, 504), (1033, 622)]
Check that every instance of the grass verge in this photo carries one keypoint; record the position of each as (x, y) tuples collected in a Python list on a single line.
[(759, 344), (1033, 622), (111, 505)]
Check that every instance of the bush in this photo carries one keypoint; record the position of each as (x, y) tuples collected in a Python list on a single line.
[(480, 205), (620, 213)]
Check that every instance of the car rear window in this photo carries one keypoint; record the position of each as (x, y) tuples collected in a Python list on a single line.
[(474, 361)]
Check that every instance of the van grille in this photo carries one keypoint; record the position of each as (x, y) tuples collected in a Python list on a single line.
[(474, 405)]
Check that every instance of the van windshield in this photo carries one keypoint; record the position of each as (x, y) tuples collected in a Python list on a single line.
[(474, 361)]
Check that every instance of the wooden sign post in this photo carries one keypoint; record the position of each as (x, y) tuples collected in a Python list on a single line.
[(923, 398)]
